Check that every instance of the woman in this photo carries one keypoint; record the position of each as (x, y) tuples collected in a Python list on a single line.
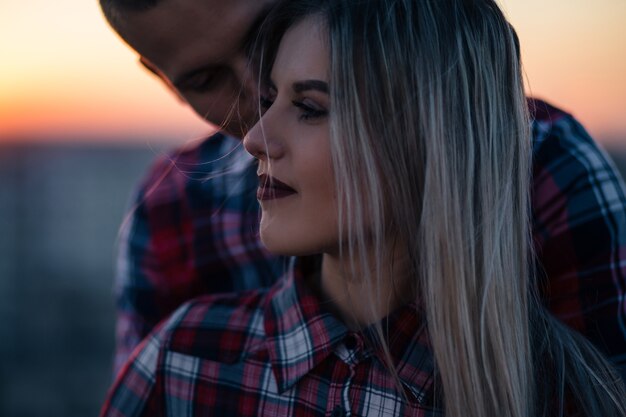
[(393, 149)]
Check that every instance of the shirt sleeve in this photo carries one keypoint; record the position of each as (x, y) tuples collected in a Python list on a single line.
[(155, 270), (132, 280), (579, 213)]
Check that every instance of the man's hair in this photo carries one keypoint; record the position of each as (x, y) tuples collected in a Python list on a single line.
[(114, 10)]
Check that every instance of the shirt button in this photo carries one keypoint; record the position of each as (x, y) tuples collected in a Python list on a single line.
[(338, 411), (351, 341)]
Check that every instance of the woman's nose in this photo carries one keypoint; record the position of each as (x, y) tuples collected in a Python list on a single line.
[(261, 141), (253, 141)]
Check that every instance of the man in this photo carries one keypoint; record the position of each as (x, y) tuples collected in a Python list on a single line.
[(194, 228)]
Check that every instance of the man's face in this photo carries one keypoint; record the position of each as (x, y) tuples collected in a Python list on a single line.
[(201, 49)]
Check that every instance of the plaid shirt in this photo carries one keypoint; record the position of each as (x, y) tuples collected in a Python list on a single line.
[(579, 230), (274, 353), (194, 231)]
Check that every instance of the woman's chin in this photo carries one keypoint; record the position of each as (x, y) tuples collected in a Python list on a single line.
[(288, 247), (280, 247), (283, 236)]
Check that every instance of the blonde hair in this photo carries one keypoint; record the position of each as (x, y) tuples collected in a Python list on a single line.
[(428, 107)]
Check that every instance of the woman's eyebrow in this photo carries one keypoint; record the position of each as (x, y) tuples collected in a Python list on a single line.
[(300, 86)]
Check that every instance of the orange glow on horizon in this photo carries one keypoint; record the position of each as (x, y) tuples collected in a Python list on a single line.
[(101, 113), (68, 75), (64, 73), (574, 55)]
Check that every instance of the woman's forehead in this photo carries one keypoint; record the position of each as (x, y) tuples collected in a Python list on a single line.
[(303, 52)]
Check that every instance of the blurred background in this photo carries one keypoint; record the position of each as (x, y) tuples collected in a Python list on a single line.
[(80, 120)]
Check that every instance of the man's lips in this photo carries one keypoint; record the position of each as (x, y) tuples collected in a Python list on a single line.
[(271, 188)]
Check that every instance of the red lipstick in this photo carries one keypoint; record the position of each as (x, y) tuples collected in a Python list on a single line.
[(270, 188)]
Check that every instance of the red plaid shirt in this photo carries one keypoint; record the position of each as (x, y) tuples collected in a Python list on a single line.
[(579, 230), (194, 231), (274, 353)]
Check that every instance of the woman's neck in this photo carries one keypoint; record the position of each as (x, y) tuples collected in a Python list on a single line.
[(357, 302)]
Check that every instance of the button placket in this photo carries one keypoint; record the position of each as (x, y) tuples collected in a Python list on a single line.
[(352, 341)]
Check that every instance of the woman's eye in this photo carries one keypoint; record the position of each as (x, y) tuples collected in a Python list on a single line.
[(309, 111)]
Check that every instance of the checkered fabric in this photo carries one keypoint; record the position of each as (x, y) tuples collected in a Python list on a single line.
[(194, 231), (275, 352)]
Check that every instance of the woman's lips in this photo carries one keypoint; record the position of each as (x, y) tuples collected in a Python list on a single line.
[(271, 188)]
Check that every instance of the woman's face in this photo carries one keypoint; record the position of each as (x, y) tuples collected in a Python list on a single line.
[(292, 142)]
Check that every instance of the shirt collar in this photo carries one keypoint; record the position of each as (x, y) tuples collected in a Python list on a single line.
[(300, 334), (409, 345)]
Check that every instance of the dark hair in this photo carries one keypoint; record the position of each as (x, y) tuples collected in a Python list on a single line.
[(128, 5), (285, 14), (114, 10)]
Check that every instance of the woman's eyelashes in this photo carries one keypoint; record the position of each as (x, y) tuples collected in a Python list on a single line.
[(309, 110)]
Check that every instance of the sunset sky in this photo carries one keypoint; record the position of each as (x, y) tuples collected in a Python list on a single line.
[(64, 75)]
